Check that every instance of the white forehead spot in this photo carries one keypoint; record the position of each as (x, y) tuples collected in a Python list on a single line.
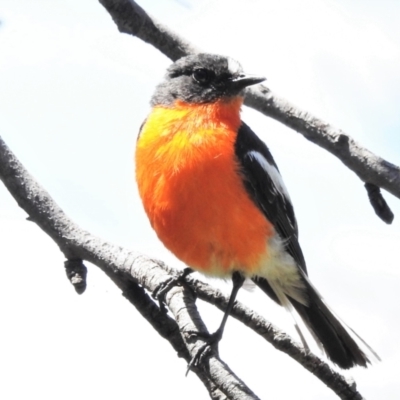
[(233, 66)]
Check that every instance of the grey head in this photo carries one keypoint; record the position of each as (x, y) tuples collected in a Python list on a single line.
[(202, 78)]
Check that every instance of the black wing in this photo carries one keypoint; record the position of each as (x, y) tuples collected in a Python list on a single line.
[(265, 186), (263, 182)]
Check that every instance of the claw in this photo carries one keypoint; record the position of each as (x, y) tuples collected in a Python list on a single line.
[(211, 344), (198, 357), (161, 290)]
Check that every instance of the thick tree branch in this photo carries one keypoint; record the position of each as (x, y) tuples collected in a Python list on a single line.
[(371, 169), (166, 327), (132, 19), (132, 272), (126, 269)]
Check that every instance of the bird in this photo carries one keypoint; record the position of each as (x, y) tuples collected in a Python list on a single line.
[(215, 197)]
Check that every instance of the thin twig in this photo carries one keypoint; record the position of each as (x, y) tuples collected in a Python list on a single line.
[(378, 203)]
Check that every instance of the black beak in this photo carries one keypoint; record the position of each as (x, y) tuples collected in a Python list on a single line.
[(242, 81)]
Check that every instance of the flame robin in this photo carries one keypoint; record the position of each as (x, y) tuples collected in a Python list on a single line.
[(215, 197)]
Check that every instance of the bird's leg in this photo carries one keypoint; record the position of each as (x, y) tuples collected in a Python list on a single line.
[(213, 339), (237, 279), (161, 290)]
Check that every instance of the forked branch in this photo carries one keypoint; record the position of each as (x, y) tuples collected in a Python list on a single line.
[(133, 272)]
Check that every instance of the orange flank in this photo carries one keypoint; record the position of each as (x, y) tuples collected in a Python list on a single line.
[(192, 189)]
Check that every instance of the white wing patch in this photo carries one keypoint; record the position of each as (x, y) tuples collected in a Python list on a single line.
[(272, 172)]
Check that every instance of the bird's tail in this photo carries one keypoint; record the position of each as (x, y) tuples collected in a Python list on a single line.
[(331, 334)]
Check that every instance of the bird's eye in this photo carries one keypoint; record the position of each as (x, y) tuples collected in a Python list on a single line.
[(202, 75)]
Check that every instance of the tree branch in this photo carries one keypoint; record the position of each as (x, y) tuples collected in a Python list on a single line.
[(133, 272), (371, 169), (126, 269), (132, 19), (280, 340)]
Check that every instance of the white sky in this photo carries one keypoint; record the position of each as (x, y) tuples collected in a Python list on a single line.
[(73, 93)]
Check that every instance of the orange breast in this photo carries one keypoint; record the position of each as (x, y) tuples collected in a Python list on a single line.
[(192, 189)]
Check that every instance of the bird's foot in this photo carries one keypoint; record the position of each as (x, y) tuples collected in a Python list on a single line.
[(211, 344), (161, 290)]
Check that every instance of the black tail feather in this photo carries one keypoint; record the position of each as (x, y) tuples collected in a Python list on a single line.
[(339, 346), (337, 343)]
